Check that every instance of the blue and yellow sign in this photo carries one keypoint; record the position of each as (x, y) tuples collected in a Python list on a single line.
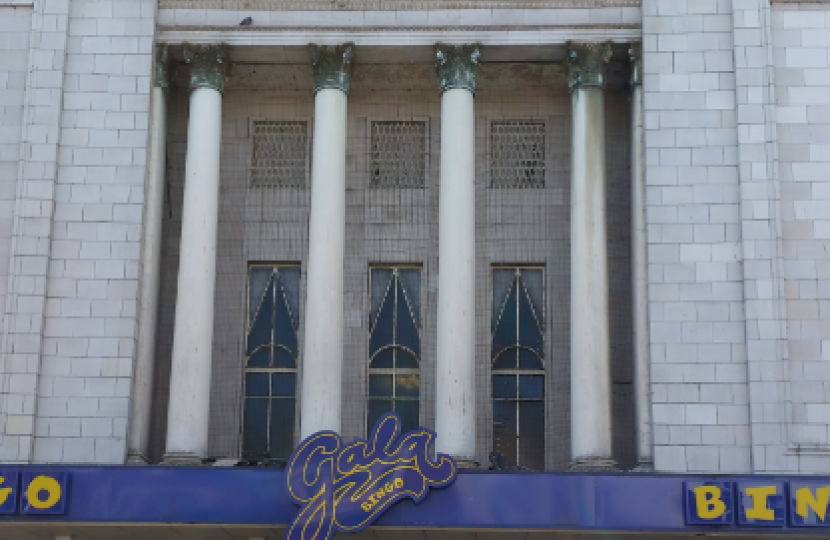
[(43, 493), (347, 488), (8, 491), (760, 503)]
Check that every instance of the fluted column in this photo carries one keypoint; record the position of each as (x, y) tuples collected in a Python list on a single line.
[(590, 343), (187, 415), (455, 419), (320, 407), (150, 267), (639, 278)]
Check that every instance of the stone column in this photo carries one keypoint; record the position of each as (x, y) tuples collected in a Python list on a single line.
[(150, 268), (187, 415), (590, 347), (639, 278), (455, 419), (323, 350)]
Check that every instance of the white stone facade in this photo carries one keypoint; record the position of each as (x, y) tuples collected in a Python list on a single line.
[(737, 197)]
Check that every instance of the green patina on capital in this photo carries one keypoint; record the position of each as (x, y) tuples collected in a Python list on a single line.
[(162, 79), (209, 65), (635, 53), (332, 66), (586, 64), (457, 66)]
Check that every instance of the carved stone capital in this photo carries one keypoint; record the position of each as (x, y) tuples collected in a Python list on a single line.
[(332, 66), (635, 52), (457, 66), (209, 65), (162, 79), (586, 64)]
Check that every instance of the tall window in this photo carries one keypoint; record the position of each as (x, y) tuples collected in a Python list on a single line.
[(271, 364), (517, 356), (394, 344)]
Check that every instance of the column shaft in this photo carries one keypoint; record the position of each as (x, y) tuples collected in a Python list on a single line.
[(320, 406), (150, 272), (590, 342), (455, 418), (323, 350), (189, 407), (639, 278)]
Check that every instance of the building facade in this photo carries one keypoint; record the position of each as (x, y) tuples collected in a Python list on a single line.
[(567, 236)]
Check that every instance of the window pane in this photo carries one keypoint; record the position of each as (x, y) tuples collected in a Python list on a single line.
[(259, 279), (282, 428), (256, 384), (528, 360), (283, 359), (382, 331), (532, 281), (411, 281), (290, 279), (407, 332), (532, 386), (530, 335), (380, 385), (260, 330), (284, 333), (377, 407), (404, 360), (406, 385), (505, 334), (282, 384), (383, 359), (507, 359), (504, 386), (532, 434), (504, 430), (261, 358), (255, 428), (502, 279), (408, 411), (380, 278)]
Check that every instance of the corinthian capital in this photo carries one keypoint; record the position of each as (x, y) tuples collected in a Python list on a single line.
[(209, 65), (161, 79), (586, 64), (635, 52), (457, 66), (332, 66)]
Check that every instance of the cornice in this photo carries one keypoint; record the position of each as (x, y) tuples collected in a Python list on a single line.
[(402, 29), (389, 5)]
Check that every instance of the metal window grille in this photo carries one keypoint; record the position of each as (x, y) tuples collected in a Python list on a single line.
[(517, 154), (518, 375), (279, 153), (271, 350), (398, 153), (394, 345)]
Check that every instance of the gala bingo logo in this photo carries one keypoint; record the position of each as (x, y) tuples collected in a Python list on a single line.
[(346, 488)]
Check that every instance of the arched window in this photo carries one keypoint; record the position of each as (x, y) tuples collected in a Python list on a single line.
[(394, 345), (271, 361), (518, 371)]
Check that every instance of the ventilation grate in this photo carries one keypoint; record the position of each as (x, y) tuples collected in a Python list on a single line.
[(398, 154), (517, 154), (279, 153)]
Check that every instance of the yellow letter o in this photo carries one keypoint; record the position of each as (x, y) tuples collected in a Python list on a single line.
[(43, 483)]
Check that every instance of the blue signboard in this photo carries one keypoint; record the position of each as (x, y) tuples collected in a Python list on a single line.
[(43, 493), (8, 491), (346, 488), (709, 503), (810, 504), (762, 504)]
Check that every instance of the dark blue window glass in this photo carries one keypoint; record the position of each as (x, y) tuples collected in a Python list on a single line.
[(271, 360), (517, 363), (394, 344)]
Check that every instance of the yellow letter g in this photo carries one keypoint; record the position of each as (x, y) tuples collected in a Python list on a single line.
[(708, 502)]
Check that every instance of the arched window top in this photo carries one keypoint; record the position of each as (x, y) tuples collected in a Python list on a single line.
[(273, 316), (518, 321), (394, 322)]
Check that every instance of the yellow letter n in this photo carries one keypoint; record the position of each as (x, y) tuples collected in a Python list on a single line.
[(804, 498), (709, 503)]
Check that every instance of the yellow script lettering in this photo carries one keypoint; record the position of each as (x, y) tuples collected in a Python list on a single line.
[(709, 504), (43, 483), (804, 498), (759, 508)]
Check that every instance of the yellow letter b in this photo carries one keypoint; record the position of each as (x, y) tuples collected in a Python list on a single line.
[(709, 503)]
